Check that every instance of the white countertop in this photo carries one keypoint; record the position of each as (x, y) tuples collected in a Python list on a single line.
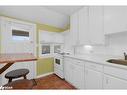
[(99, 59)]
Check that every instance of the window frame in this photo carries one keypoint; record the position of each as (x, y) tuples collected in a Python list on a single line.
[(20, 29)]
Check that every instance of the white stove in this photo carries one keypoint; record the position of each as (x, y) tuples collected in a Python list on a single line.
[(59, 64)]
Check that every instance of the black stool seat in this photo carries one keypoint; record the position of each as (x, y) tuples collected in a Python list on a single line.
[(16, 74)]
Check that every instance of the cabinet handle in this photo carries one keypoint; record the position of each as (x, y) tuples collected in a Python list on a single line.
[(107, 81)]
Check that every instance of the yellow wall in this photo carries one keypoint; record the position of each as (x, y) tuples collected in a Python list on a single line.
[(49, 28), (44, 65)]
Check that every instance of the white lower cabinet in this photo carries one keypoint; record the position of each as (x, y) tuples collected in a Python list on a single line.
[(74, 73), (78, 76), (93, 79), (68, 72), (90, 75), (114, 83)]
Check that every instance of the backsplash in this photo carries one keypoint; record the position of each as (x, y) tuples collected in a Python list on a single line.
[(115, 44)]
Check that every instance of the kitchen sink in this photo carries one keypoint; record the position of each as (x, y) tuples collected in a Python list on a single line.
[(118, 61)]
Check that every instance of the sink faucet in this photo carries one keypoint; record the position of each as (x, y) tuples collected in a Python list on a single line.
[(125, 56)]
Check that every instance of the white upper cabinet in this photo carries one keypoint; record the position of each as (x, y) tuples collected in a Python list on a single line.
[(90, 24), (50, 37), (44, 36), (74, 28), (115, 19), (96, 20), (57, 38), (83, 26), (87, 26)]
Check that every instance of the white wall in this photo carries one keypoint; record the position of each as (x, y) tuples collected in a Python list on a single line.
[(116, 44)]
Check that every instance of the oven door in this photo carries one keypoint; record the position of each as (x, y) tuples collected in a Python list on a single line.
[(58, 67), (58, 64)]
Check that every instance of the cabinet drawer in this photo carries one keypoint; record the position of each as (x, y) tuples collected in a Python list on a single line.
[(67, 60), (74, 61), (94, 66), (117, 72), (78, 62)]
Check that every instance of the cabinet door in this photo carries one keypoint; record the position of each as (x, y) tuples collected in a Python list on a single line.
[(115, 19), (93, 79), (78, 76), (57, 38), (45, 36), (68, 71), (96, 20), (114, 83), (83, 26), (74, 73), (67, 42), (74, 28)]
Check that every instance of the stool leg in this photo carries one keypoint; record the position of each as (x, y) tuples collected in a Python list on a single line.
[(25, 77), (10, 80)]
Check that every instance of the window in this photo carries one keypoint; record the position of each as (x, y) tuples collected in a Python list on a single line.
[(57, 48), (20, 35), (45, 49), (49, 49)]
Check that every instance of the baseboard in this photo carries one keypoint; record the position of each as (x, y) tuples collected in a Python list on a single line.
[(43, 75)]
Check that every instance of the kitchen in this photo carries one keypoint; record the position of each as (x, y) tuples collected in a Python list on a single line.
[(83, 47)]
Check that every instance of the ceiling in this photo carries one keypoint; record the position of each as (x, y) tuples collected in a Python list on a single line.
[(57, 16), (66, 10)]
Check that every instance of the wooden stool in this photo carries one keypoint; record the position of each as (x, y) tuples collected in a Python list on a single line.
[(17, 74), (20, 84)]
